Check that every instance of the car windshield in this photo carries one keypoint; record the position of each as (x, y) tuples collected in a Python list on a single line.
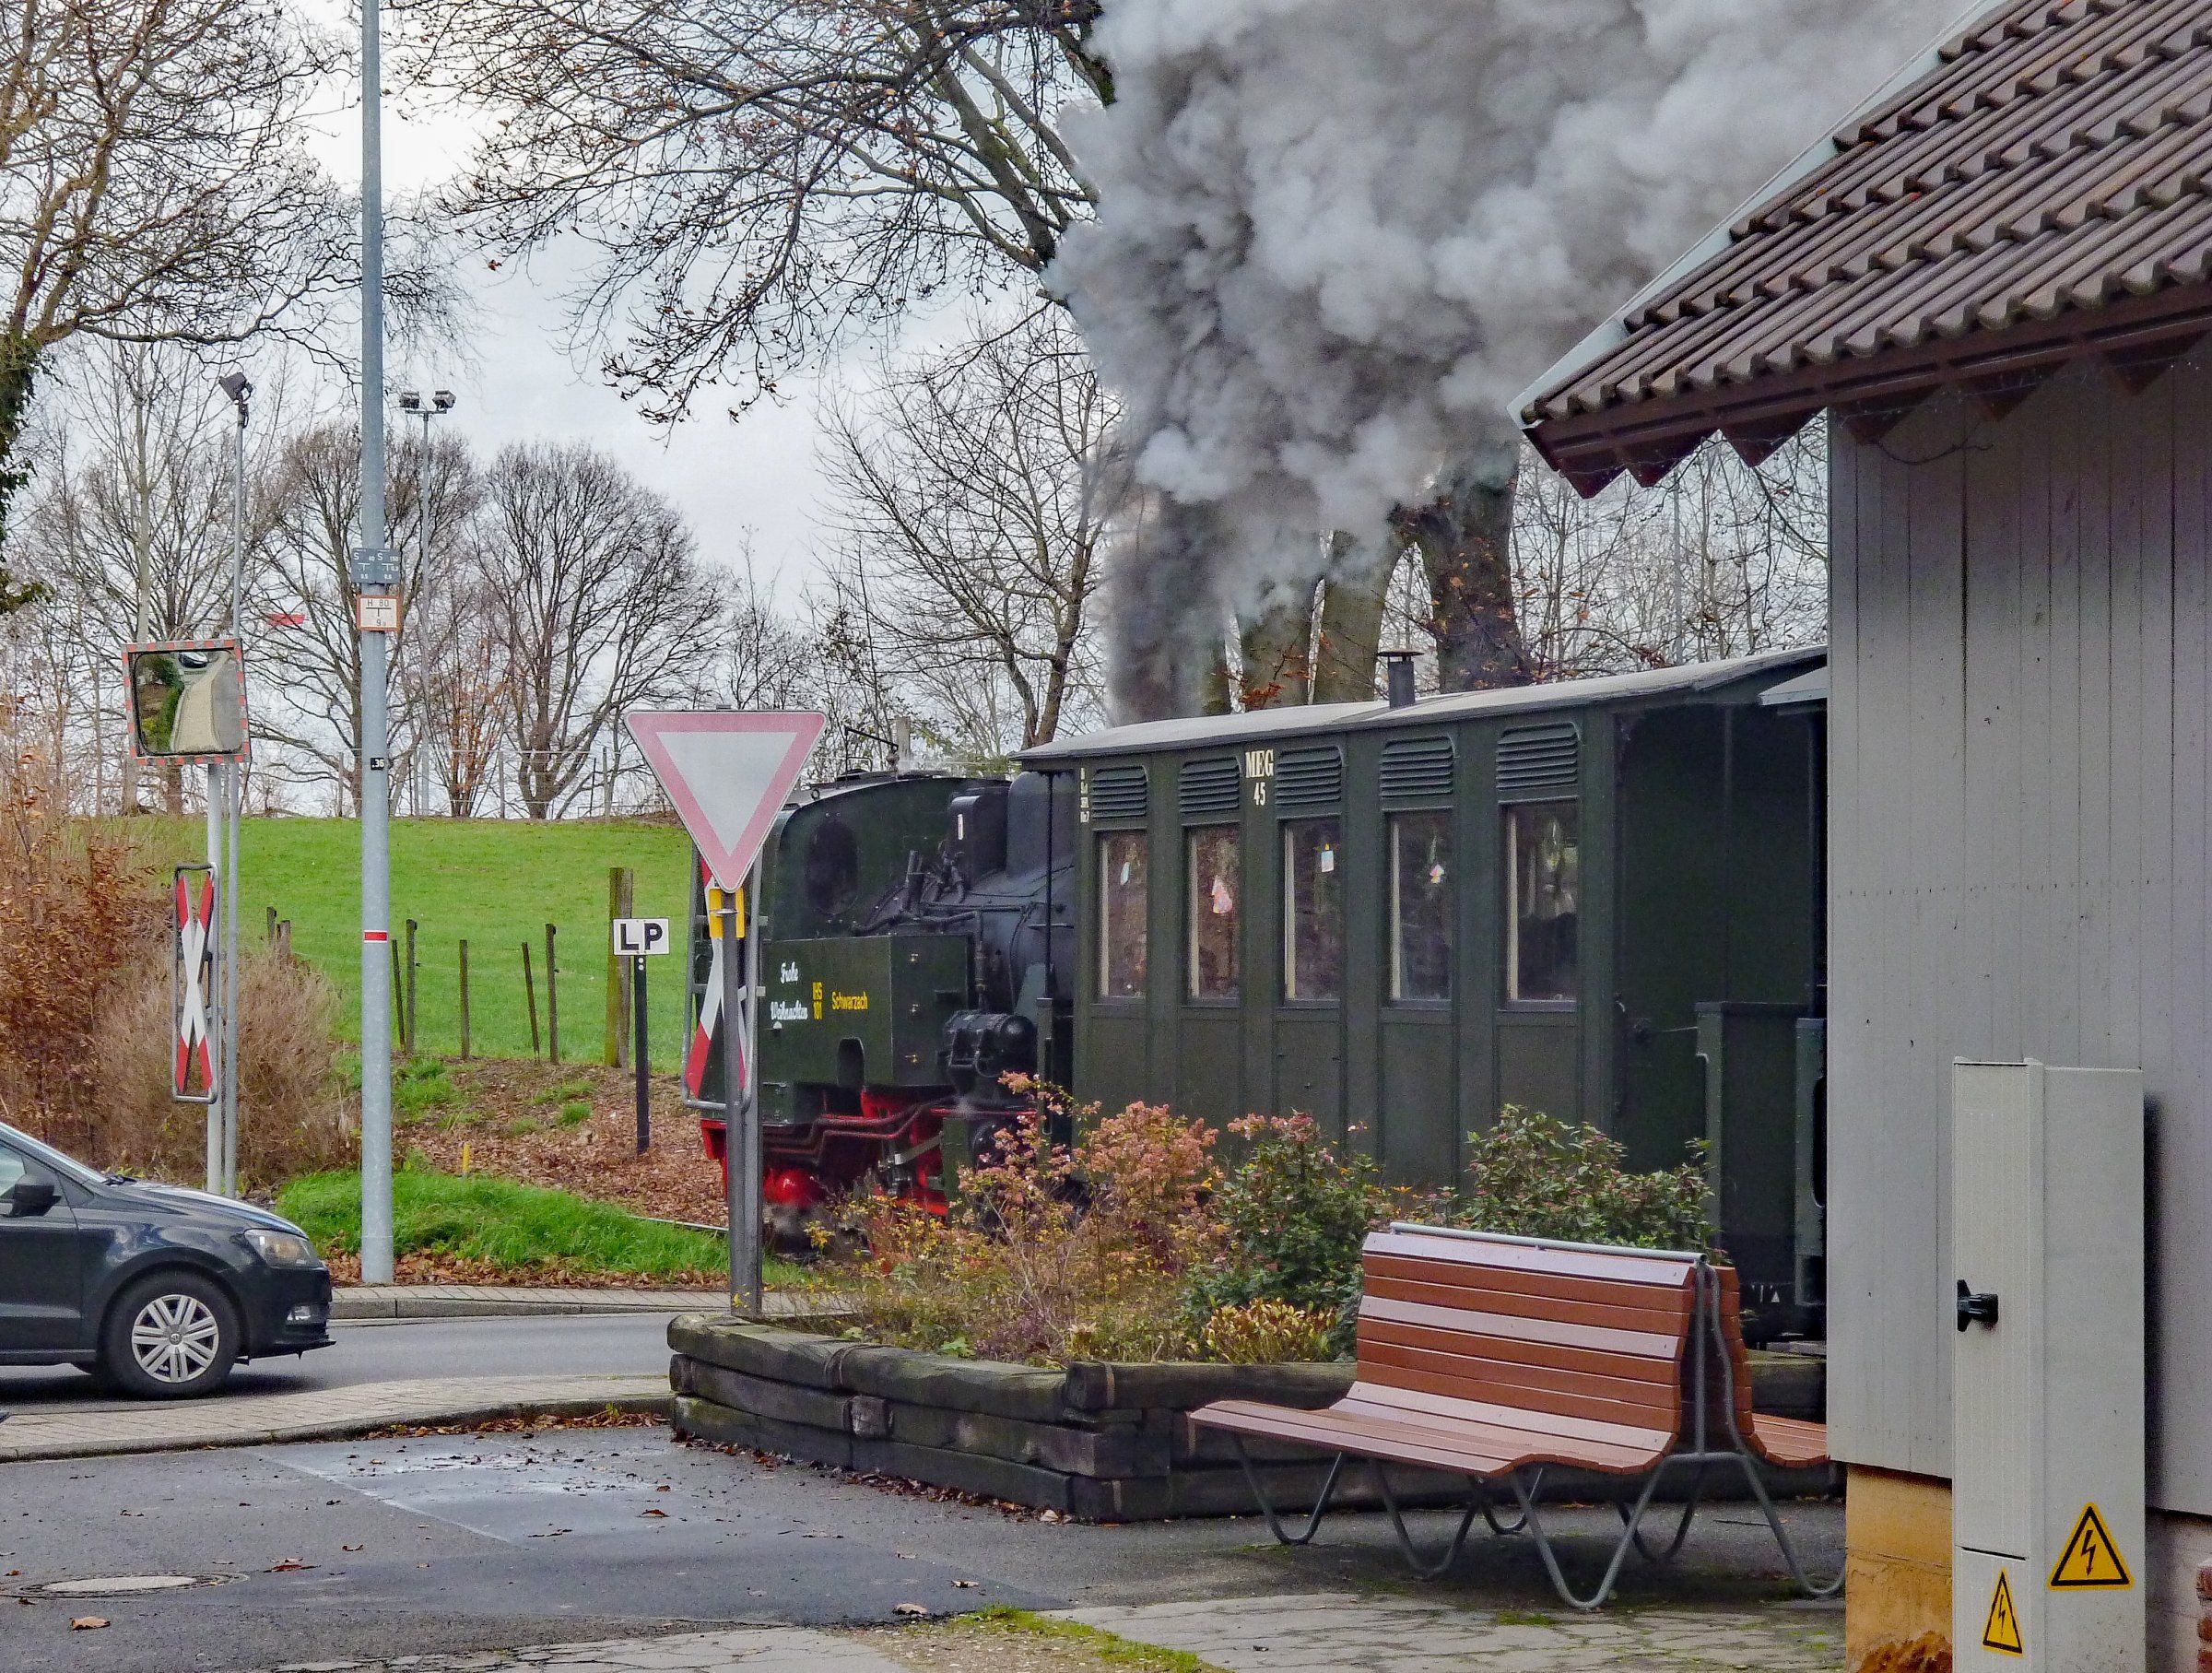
[(67, 1166)]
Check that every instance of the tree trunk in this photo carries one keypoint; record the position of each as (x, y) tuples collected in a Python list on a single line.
[(1277, 642), (19, 376), (1465, 537), (1351, 619)]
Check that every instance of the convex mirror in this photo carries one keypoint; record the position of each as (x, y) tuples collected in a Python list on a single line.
[(188, 701)]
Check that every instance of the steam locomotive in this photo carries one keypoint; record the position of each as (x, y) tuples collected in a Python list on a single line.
[(1601, 899)]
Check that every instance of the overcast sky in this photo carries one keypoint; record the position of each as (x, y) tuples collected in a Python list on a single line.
[(755, 477)]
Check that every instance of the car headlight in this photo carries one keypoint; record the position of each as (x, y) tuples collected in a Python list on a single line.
[(281, 1248)]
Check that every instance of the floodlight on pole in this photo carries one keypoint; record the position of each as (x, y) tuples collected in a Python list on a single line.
[(240, 388), (375, 572)]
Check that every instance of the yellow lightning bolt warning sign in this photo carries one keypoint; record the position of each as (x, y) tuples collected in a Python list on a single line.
[(2091, 1561), (2002, 1631)]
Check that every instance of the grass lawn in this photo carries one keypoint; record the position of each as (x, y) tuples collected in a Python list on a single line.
[(501, 1224), (495, 883)]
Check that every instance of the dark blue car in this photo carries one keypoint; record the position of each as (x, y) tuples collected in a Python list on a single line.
[(158, 1290)]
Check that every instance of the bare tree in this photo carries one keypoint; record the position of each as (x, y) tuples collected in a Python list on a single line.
[(155, 183), (590, 582), (304, 591), (973, 494), (757, 176)]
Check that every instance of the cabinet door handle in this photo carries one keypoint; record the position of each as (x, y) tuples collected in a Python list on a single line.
[(1975, 1308)]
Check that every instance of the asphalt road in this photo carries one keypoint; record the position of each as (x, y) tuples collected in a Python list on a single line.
[(382, 1352), (356, 1549)]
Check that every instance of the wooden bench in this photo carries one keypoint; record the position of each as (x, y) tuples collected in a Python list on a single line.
[(1496, 1358)]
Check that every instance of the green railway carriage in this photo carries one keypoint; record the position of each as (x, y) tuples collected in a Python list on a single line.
[(1599, 899)]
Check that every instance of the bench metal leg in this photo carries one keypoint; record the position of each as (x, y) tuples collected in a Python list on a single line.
[(1674, 1546), (1535, 1486), (1428, 1569), (1806, 1583), (1620, 1551), (1275, 1525)]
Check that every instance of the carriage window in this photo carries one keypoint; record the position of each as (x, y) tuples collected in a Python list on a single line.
[(1421, 892), (1312, 910), (1121, 899), (1543, 901), (1216, 882)]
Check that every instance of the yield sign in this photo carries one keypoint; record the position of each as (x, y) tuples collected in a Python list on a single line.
[(727, 772)]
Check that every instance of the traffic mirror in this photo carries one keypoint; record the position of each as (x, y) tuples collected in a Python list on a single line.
[(188, 700)]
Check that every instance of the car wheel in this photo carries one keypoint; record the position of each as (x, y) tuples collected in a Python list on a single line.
[(169, 1337)]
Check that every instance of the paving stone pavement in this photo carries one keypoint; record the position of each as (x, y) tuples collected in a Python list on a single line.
[(771, 1650), (1314, 1631), (1355, 1635), (323, 1414)]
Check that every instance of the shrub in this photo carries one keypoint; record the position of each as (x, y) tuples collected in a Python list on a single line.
[(292, 1107), (1268, 1332), (1533, 1176), (1050, 1253), (1293, 1215)]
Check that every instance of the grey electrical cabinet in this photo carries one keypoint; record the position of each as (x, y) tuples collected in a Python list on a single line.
[(2047, 1373)]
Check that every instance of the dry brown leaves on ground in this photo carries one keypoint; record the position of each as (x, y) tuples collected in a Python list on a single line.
[(521, 1428), (422, 1267), (988, 1646), (1930, 1654), (509, 1113)]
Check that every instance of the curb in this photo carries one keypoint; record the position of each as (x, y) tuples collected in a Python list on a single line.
[(353, 1308), (114, 1434)]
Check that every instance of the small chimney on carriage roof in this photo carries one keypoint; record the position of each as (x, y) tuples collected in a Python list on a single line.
[(1399, 666)]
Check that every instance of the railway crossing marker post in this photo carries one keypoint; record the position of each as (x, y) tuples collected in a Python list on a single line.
[(639, 939), (727, 773)]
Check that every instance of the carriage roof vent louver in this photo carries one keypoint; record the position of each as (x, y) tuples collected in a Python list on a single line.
[(1209, 788), (1119, 794), (1538, 761), (1416, 769), (1311, 777)]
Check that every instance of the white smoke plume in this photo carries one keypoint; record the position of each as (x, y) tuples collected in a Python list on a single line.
[(1337, 236)]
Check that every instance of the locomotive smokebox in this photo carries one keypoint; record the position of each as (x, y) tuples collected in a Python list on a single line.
[(980, 1046)]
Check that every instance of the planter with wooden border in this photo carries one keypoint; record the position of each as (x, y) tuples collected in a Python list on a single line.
[(1097, 1442)]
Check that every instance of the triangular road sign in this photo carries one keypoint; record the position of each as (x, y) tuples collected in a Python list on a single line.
[(727, 772), (2002, 1631), (2091, 1561)]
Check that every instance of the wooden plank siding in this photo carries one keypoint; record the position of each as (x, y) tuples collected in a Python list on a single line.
[(2020, 712)]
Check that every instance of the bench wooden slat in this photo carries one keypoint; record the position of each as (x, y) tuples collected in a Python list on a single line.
[(1521, 1328), (1451, 1407), (1472, 1448), (1637, 1266), (1669, 1299), (1535, 1389), (1649, 1310)]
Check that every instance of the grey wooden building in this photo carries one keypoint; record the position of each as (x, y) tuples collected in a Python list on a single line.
[(1996, 281)]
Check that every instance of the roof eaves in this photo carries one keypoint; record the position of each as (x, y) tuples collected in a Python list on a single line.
[(1613, 331)]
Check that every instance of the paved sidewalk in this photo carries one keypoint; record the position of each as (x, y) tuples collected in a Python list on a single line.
[(1319, 1633), (331, 1414), (484, 1301), (1384, 1634)]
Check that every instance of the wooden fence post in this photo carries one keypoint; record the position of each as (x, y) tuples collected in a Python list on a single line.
[(399, 997), (530, 992), (412, 978), (272, 930), (465, 1000), (621, 894), (552, 1002)]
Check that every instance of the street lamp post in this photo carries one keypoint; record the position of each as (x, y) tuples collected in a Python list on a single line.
[(439, 403), (240, 390), (375, 572)]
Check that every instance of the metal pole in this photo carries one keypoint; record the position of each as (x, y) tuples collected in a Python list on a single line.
[(374, 566), (234, 784), (741, 1148), (214, 865), (637, 1006)]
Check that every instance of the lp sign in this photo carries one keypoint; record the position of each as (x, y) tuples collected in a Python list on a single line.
[(640, 937)]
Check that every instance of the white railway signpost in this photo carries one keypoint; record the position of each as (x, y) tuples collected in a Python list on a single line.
[(728, 773)]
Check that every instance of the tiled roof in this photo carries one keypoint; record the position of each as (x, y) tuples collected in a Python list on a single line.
[(2045, 188)]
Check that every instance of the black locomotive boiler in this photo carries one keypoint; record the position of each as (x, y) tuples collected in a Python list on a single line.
[(1600, 897)]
